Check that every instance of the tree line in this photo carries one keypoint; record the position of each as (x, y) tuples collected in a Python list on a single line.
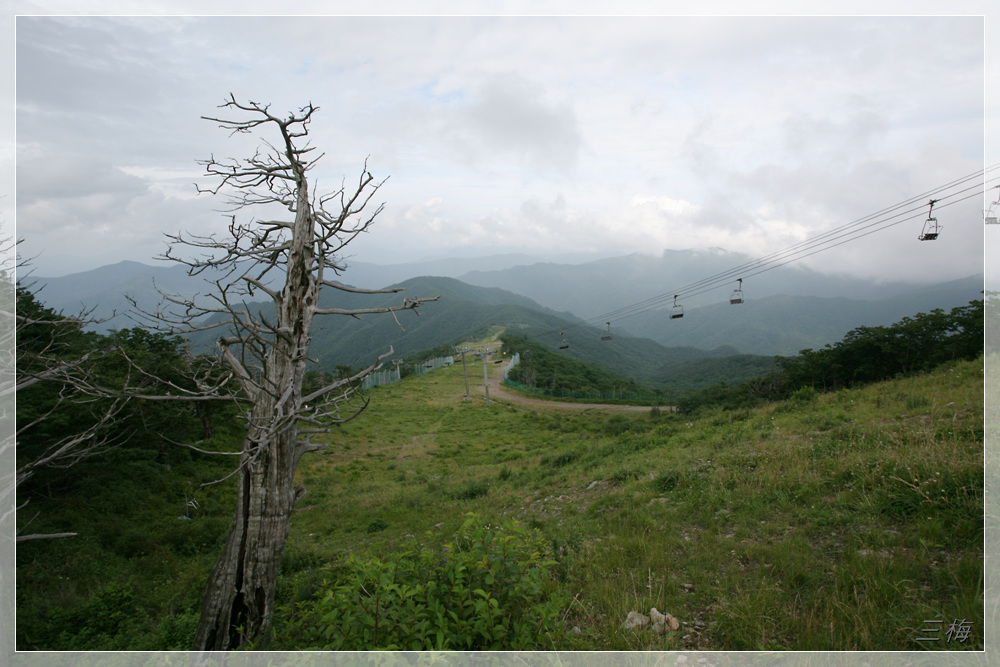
[(544, 369), (72, 403), (866, 354)]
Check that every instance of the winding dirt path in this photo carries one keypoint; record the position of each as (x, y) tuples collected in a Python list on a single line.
[(497, 391)]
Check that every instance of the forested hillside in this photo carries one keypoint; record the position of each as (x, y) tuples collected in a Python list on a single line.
[(543, 369), (866, 354)]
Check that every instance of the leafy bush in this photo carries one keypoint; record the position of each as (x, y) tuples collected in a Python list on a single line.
[(804, 395), (560, 460), (489, 588), (666, 482), (377, 525), (623, 475), (470, 490), (617, 425)]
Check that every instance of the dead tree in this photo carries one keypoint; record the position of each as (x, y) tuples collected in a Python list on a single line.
[(266, 356)]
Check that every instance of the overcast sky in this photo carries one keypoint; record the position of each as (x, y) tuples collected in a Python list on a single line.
[(538, 134)]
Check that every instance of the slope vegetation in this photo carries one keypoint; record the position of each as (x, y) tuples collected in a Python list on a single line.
[(838, 521), (859, 511)]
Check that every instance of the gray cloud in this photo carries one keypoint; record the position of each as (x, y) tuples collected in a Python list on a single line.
[(59, 177), (728, 128), (507, 117)]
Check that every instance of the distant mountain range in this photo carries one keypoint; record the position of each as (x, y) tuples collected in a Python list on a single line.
[(784, 325), (104, 292), (465, 311), (785, 310), (461, 310), (605, 285)]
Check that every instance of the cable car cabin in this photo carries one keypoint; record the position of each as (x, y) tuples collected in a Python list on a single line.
[(677, 311), (563, 344), (931, 227), (931, 230), (737, 295), (607, 333)]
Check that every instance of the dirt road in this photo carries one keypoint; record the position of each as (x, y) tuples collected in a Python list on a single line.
[(498, 392)]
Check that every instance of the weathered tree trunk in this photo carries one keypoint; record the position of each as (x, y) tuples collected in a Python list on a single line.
[(239, 599), (267, 360)]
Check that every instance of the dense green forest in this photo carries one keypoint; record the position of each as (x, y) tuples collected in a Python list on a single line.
[(111, 471), (69, 381), (540, 367), (866, 354)]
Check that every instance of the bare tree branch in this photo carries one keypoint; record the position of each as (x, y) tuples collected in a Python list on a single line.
[(265, 355)]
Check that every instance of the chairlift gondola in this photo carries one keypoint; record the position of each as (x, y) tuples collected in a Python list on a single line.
[(737, 295), (931, 227), (607, 333), (677, 311), (991, 212), (564, 345)]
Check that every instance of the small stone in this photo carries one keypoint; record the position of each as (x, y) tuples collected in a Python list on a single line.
[(662, 620), (635, 620), (576, 630), (681, 660)]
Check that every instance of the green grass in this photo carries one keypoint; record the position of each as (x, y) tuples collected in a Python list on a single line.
[(837, 521), (841, 522)]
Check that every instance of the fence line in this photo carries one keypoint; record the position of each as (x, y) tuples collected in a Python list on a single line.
[(513, 362), (379, 378), (433, 364)]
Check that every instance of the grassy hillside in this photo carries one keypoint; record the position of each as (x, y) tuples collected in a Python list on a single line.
[(838, 521)]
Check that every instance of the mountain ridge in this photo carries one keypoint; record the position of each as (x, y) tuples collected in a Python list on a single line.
[(765, 325)]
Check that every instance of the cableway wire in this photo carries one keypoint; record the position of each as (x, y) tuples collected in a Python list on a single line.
[(860, 228), (713, 283)]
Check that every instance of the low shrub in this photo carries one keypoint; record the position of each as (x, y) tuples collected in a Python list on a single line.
[(470, 490), (489, 588), (560, 460)]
